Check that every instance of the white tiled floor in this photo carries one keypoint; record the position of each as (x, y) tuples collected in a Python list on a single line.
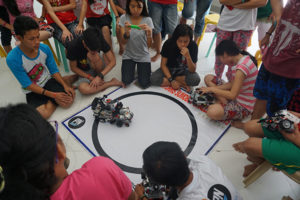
[(271, 186)]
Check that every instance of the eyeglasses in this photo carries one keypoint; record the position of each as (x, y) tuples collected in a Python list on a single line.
[(56, 133)]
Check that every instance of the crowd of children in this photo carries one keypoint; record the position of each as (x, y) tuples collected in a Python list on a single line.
[(251, 90)]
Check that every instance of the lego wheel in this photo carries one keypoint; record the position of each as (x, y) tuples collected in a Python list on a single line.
[(119, 123), (102, 120), (112, 121), (94, 103)]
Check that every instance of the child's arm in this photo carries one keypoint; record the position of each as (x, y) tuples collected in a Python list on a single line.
[(191, 65), (6, 25), (66, 32), (120, 10), (235, 89), (148, 32), (111, 62), (113, 7), (293, 137), (80, 27), (125, 32), (70, 6)]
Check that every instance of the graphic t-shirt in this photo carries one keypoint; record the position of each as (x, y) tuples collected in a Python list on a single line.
[(245, 97), (65, 16), (98, 9), (29, 71), (281, 57), (25, 7), (98, 178), (76, 51), (136, 47), (208, 182), (177, 63)]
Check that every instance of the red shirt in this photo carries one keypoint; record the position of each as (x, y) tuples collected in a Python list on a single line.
[(65, 17), (98, 9), (281, 57), (165, 1)]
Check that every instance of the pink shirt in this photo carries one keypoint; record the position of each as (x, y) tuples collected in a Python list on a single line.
[(25, 7), (245, 97), (281, 57), (98, 178)]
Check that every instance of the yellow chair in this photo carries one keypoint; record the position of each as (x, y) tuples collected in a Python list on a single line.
[(258, 57), (179, 6), (2, 52), (46, 42), (264, 167), (209, 19)]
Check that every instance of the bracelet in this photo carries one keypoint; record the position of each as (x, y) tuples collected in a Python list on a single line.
[(101, 75), (44, 90), (268, 33)]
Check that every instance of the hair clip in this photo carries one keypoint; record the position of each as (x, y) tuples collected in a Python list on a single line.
[(2, 180)]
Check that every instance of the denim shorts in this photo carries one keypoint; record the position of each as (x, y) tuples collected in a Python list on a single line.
[(166, 12), (276, 90), (57, 34)]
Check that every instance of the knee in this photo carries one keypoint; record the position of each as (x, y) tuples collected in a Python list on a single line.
[(157, 81), (193, 81), (83, 89), (249, 145), (215, 112), (208, 78), (252, 127)]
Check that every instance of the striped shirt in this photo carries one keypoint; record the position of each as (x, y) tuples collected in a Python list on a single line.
[(245, 97)]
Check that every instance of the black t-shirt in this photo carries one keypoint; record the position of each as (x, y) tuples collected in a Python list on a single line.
[(177, 63), (76, 51)]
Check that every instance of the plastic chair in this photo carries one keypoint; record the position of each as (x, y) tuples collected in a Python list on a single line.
[(46, 42), (262, 168), (180, 6), (61, 54), (2, 52), (209, 19), (114, 21), (258, 57)]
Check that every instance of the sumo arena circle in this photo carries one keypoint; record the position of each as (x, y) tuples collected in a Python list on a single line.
[(130, 169)]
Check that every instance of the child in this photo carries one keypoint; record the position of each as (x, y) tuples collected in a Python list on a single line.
[(137, 43), (61, 17), (33, 65), (235, 98), (178, 62), (279, 148), (85, 61), (165, 163), (98, 16), (121, 8), (32, 156)]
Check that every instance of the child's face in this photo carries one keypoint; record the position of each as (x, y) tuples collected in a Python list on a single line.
[(135, 8), (183, 41), (31, 39), (226, 59)]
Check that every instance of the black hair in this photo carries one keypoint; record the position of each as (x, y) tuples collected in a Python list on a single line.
[(12, 7), (27, 153), (182, 30), (230, 47), (165, 163), (23, 24), (92, 37), (144, 11)]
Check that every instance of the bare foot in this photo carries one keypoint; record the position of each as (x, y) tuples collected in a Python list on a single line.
[(154, 58), (238, 147), (238, 124), (116, 82), (249, 168)]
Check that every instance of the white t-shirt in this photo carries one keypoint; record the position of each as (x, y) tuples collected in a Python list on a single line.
[(209, 183), (237, 19)]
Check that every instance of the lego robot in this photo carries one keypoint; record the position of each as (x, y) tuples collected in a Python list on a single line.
[(197, 98)]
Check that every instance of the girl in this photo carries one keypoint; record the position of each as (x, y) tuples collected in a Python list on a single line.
[(178, 62), (24, 7), (98, 16), (32, 156), (235, 99), (61, 17), (137, 43)]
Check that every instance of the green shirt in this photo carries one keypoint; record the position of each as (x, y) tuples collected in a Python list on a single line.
[(265, 11)]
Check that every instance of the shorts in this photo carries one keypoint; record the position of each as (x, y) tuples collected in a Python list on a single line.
[(5, 33), (99, 22), (163, 12), (234, 111), (57, 34), (37, 100), (281, 153), (276, 90)]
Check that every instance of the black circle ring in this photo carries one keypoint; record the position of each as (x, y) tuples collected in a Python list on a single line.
[(129, 169)]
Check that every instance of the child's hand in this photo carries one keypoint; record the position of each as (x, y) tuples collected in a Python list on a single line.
[(79, 29), (147, 29), (66, 34), (204, 90), (127, 28), (175, 85), (185, 52), (293, 137)]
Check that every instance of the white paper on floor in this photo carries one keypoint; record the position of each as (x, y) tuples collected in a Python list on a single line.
[(160, 114)]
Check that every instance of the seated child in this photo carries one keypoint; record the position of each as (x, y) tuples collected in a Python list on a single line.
[(121, 7), (32, 156), (166, 164), (137, 43), (34, 67), (178, 62), (85, 61), (235, 99), (279, 148)]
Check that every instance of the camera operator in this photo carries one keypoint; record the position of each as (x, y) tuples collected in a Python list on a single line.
[(166, 164), (280, 148)]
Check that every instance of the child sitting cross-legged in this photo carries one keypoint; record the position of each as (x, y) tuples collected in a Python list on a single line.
[(234, 99)]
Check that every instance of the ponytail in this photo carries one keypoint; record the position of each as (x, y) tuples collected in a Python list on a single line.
[(246, 53)]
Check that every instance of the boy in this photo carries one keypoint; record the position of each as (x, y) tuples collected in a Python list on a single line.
[(83, 54), (165, 163), (33, 66)]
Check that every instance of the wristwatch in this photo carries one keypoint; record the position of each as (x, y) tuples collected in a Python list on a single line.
[(101, 75), (170, 79)]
